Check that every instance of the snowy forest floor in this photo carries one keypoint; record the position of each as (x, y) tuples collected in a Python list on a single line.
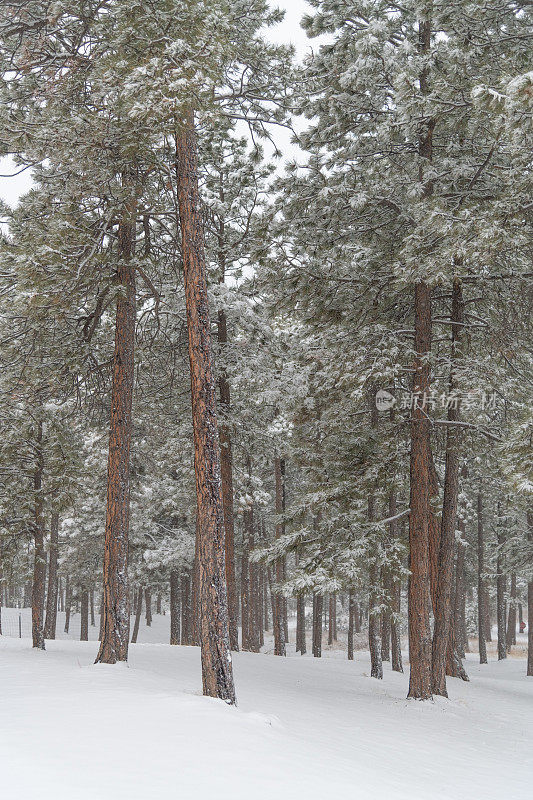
[(304, 728)]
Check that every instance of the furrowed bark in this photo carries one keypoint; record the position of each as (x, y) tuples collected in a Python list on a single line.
[(116, 617), (443, 600), (421, 458), (419, 518), (217, 671)]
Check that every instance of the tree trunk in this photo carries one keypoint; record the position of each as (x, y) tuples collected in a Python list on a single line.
[(318, 609), (186, 632), (226, 471), (101, 615), (487, 615), (443, 599), (158, 603), (39, 567), (353, 613), (174, 607), (68, 603), (332, 618), (419, 518), (511, 621), (195, 598), (253, 619), (386, 616), (421, 459), (116, 625), (301, 646), (245, 584), (374, 594), (374, 618), (51, 599), (459, 598), (530, 602), (138, 613), (84, 623), (278, 605), (500, 592), (91, 606), (217, 670), (148, 607), (480, 582), (396, 586)]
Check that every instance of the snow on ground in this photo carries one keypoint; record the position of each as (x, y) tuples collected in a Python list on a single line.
[(304, 728)]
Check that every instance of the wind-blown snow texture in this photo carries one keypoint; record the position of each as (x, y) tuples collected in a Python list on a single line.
[(304, 728)]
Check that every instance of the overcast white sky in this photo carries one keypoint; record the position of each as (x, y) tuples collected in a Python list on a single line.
[(289, 31)]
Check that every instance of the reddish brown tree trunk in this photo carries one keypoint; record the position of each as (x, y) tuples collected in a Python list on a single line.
[(443, 596), (421, 461), (51, 599), (217, 671), (39, 565), (116, 624), (419, 518)]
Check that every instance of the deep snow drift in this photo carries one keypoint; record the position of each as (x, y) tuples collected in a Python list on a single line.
[(304, 728)]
